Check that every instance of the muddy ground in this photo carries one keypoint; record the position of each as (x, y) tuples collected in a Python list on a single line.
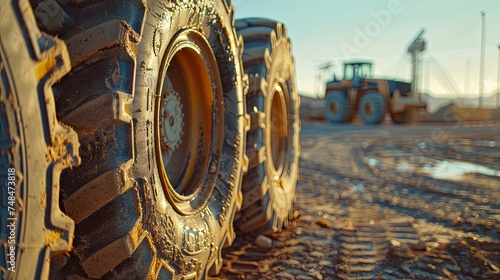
[(387, 202)]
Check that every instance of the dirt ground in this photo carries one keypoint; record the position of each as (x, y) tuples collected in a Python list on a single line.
[(388, 202)]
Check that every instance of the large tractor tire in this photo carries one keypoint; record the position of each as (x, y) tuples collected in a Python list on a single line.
[(372, 108), (156, 96), (336, 108), (34, 146), (273, 148)]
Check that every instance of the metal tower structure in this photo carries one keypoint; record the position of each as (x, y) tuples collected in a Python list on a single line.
[(415, 49)]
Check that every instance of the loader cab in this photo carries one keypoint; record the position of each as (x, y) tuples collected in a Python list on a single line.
[(356, 72)]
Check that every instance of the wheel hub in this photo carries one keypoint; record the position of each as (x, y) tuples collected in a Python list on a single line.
[(171, 120), (333, 107), (188, 121), (368, 109), (279, 130)]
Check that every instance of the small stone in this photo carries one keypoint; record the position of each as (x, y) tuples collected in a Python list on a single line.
[(320, 234), (296, 214), (324, 223), (419, 246), (395, 243), (406, 268), (264, 242)]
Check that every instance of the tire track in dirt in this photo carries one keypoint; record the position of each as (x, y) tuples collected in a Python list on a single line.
[(360, 221), (362, 244), (469, 204)]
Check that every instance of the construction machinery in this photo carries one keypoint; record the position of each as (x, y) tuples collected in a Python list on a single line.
[(137, 136), (357, 92)]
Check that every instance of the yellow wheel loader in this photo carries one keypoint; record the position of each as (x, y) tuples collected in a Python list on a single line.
[(359, 93)]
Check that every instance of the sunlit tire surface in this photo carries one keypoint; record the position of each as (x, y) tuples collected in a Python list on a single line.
[(273, 147), (34, 147), (156, 96)]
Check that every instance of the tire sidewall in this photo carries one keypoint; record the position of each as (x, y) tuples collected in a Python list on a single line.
[(379, 107), (199, 236), (340, 100), (285, 187)]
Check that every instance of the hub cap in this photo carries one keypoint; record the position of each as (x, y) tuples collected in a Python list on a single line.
[(368, 108), (189, 122), (333, 107), (171, 121), (279, 131)]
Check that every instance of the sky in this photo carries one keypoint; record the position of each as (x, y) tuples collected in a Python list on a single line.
[(324, 31)]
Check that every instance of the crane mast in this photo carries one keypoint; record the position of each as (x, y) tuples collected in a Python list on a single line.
[(415, 50)]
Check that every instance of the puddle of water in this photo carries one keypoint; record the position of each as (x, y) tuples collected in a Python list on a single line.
[(455, 170), (441, 170), (490, 144), (373, 162), (405, 167), (358, 188)]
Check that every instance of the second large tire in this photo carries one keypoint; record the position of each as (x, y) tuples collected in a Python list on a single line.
[(336, 108), (372, 108), (156, 96), (273, 147)]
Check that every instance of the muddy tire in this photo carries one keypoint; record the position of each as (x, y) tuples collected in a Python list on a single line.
[(273, 147), (336, 108), (372, 108), (156, 96), (34, 146)]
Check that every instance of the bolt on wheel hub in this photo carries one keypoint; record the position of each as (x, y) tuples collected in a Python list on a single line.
[(189, 127), (172, 120)]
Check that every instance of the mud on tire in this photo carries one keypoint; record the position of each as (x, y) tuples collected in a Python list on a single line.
[(156, 96), (273, 147), (34, 146)]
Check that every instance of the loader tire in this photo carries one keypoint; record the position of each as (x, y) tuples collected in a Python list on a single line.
[(156, 96), (34, 146), (372, 108), (273, 148), (336, 107)]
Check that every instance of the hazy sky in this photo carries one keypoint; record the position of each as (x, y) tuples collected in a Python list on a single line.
[(380, 30)]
